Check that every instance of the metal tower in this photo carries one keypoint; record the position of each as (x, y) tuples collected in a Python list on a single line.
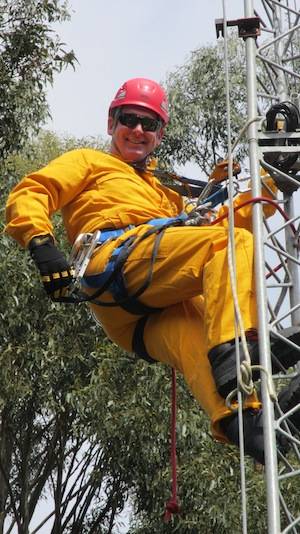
[(271, 31)]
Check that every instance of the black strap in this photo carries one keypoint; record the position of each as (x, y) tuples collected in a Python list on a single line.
[(138, 345), (119, 290), (130, 303), (117, 284)]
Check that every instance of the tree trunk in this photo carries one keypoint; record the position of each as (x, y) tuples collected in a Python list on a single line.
[(6, 448)]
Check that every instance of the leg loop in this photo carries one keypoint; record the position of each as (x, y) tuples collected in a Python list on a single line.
[(138, 345)]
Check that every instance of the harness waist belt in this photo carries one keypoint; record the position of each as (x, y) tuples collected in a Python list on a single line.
[(97, 280), (111, 233)]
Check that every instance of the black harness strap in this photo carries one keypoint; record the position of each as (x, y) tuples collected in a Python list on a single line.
[(138, 345), (118, 287)]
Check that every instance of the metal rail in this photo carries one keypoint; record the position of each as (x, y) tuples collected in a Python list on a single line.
[(271, 31)]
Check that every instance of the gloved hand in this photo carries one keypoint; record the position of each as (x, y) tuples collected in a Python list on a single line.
[(199, 216), (55, 271)]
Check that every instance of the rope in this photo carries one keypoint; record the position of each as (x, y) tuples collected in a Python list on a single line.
[(244, 369), (245, 377), (172, 506), (232, 274), (253, 201)]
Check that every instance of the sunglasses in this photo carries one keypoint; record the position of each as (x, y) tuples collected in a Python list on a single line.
[(131, 120)]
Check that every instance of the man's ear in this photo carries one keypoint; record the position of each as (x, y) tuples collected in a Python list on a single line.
[(110, 125)]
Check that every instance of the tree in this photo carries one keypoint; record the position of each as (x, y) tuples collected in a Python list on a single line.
[(44, 442), (30, 55), (198, 130)]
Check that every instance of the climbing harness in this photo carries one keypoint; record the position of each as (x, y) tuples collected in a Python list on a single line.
[(112, 278)]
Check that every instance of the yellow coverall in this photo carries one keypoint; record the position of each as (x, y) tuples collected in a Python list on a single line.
[(95, 190)]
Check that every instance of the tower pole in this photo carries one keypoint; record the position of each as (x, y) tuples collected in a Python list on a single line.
[(271, 467)]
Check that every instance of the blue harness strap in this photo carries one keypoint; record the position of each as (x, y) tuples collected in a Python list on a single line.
[(117, 285), (113, 277), (114, 233)]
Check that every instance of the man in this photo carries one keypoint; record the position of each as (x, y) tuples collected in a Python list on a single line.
[(164, 286)]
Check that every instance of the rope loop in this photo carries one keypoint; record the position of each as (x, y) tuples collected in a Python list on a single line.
[(246, 385)]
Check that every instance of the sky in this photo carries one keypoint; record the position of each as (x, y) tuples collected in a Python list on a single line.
[(115, 40)]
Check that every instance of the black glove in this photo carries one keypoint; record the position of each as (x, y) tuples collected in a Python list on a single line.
[(55, 271)]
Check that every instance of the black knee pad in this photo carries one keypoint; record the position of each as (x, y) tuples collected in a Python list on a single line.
[(223, 364)]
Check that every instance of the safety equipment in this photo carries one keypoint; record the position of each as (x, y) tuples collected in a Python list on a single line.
[(131, 120), (145, 93), (112, 277), (55, 271), (200, 215), (282, 118), (223, 359)]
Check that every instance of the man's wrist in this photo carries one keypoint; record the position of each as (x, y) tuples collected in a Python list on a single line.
[(40, 240)]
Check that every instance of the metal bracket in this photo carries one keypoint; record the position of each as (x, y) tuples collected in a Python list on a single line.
[(247, 26)]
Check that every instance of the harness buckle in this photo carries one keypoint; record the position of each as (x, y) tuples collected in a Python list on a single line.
[(82, 252)]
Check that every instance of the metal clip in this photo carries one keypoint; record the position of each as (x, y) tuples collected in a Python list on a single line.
[(82, 252)]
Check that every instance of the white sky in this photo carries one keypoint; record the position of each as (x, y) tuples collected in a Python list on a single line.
[(115, 40)]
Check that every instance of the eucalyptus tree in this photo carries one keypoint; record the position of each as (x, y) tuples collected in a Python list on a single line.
[(31, 53), (49, 354), (198, 127)]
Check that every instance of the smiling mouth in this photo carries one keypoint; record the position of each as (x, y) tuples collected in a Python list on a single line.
[(136, 142)]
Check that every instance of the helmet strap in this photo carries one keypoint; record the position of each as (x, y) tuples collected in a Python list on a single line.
[(142, 164)]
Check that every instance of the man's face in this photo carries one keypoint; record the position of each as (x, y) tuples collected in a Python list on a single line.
[(133, 143)]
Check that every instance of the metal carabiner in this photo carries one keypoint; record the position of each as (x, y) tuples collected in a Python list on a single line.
[(82, 252)]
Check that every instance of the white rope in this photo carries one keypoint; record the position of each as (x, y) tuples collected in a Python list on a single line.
[(232, 273), (244, 369), (239, 324)]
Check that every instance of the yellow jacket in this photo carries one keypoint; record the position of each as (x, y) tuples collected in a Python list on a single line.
[(94, 190)]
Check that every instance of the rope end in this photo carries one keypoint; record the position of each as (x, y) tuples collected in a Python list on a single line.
[(172, 507)]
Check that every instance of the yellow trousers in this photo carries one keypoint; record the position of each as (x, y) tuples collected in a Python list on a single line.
[(192, 286)]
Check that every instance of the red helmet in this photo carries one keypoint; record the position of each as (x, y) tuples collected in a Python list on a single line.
[(145, 93)]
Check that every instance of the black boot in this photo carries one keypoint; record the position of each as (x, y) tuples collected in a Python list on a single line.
[(253, 433), (288, 398), (223, 358)]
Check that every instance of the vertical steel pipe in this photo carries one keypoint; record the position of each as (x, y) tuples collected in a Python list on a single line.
[(271, 467)]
